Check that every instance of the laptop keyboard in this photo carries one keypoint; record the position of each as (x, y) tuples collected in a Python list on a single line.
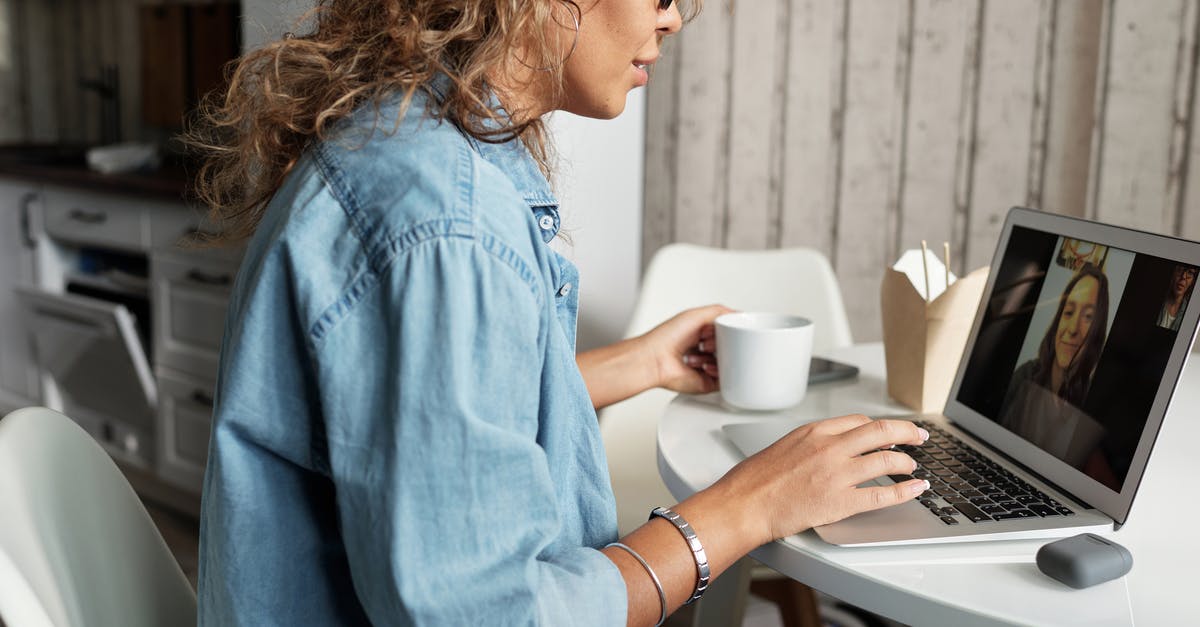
[(966, 485)]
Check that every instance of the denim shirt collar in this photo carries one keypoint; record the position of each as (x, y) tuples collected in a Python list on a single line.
[(513, 159)]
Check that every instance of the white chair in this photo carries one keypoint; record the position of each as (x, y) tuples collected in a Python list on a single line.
[(793, 280), (76, 545)]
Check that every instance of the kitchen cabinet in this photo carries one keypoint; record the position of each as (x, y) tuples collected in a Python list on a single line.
[(19, 207), (184, 426), (119, 328), (191, 290), (89, 319)]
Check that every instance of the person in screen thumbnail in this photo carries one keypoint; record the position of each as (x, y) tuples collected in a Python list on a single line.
[(1044, 399), (1180, 290)]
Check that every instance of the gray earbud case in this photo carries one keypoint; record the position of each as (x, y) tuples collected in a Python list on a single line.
[(1084, 560)]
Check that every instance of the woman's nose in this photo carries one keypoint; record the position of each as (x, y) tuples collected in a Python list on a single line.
[(670, 21)]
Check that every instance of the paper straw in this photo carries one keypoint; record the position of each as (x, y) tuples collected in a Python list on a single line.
[(925, 263), (946, 247)]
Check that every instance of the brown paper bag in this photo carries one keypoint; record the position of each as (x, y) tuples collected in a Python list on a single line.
[(923, 342)]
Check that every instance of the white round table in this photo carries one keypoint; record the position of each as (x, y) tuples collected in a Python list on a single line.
[(978, 583)]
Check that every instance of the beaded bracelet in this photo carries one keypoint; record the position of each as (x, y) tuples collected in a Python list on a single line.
[(702, 571), (662, 596)]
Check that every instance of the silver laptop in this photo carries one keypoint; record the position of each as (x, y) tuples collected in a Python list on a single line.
[(1067, 374)]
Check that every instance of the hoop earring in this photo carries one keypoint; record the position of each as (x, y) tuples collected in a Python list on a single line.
[(574, 42)]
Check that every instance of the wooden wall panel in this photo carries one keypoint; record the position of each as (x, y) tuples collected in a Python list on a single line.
[(1040, 117), (703, 132), (1182, 121), (812, 124), (1071, 115), (864, 243), (965, 154), (662, 129), (1189, 206), (1004, 122), (1189, 209), (753, 103), (1143, 71), (936, 101), (877, 124)]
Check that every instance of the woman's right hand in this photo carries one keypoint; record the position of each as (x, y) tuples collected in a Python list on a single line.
[(810, 476)]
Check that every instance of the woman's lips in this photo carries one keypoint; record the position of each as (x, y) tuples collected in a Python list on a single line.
[(642, 74)]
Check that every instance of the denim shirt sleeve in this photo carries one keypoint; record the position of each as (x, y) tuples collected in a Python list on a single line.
[(446, 501)]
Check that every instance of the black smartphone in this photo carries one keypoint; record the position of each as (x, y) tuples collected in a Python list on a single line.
[(823, 370)]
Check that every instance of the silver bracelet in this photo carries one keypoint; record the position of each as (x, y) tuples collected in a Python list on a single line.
[(702, 571), (662, 596)]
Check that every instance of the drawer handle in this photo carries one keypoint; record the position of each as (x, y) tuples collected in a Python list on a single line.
[(203, 278), (202, 398), (87, 217), (26, 230)]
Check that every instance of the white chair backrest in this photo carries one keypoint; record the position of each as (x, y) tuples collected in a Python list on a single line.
[(76, 545), (794, 280), (790, 280)]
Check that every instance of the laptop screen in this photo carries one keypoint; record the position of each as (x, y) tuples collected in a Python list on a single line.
[(1072, 347)]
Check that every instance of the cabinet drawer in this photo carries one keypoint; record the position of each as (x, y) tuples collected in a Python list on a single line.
[(191, 293), (97, 219), (94, 369), (185, 423), (172, 225)]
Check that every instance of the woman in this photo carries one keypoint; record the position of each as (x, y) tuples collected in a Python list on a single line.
[(1045, 398), (1171, 314), (403, 433)]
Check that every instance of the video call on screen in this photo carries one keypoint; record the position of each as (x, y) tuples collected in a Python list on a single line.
[(1073, 345)]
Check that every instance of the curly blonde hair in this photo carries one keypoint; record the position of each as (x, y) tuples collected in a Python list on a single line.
[(288, 93)]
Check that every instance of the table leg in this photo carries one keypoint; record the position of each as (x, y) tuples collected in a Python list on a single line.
[(724, 603), (797, 602)]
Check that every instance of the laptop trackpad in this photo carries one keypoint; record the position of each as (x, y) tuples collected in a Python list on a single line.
[(904, 521), (752, 437)]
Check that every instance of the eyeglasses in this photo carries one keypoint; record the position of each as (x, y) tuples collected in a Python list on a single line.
[(663, 5)]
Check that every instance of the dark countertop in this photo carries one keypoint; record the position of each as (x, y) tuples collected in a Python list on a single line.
[(168, 182)]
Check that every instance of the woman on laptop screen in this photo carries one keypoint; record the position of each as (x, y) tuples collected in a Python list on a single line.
[(1046, 395), (1171, 314)]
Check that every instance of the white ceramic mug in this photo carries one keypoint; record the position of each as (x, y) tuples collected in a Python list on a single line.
[(764, 359)]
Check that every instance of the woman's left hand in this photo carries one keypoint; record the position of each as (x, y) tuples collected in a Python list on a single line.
[(678, 355), (684, 350)]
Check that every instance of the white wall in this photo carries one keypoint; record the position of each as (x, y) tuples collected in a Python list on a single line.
[(599, 185), (600, 188)]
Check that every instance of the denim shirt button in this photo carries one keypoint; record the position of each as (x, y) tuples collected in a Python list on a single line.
[(565, 289), (546, 222)]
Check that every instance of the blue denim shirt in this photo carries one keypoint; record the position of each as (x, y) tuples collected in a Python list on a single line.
[(402, 435)]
